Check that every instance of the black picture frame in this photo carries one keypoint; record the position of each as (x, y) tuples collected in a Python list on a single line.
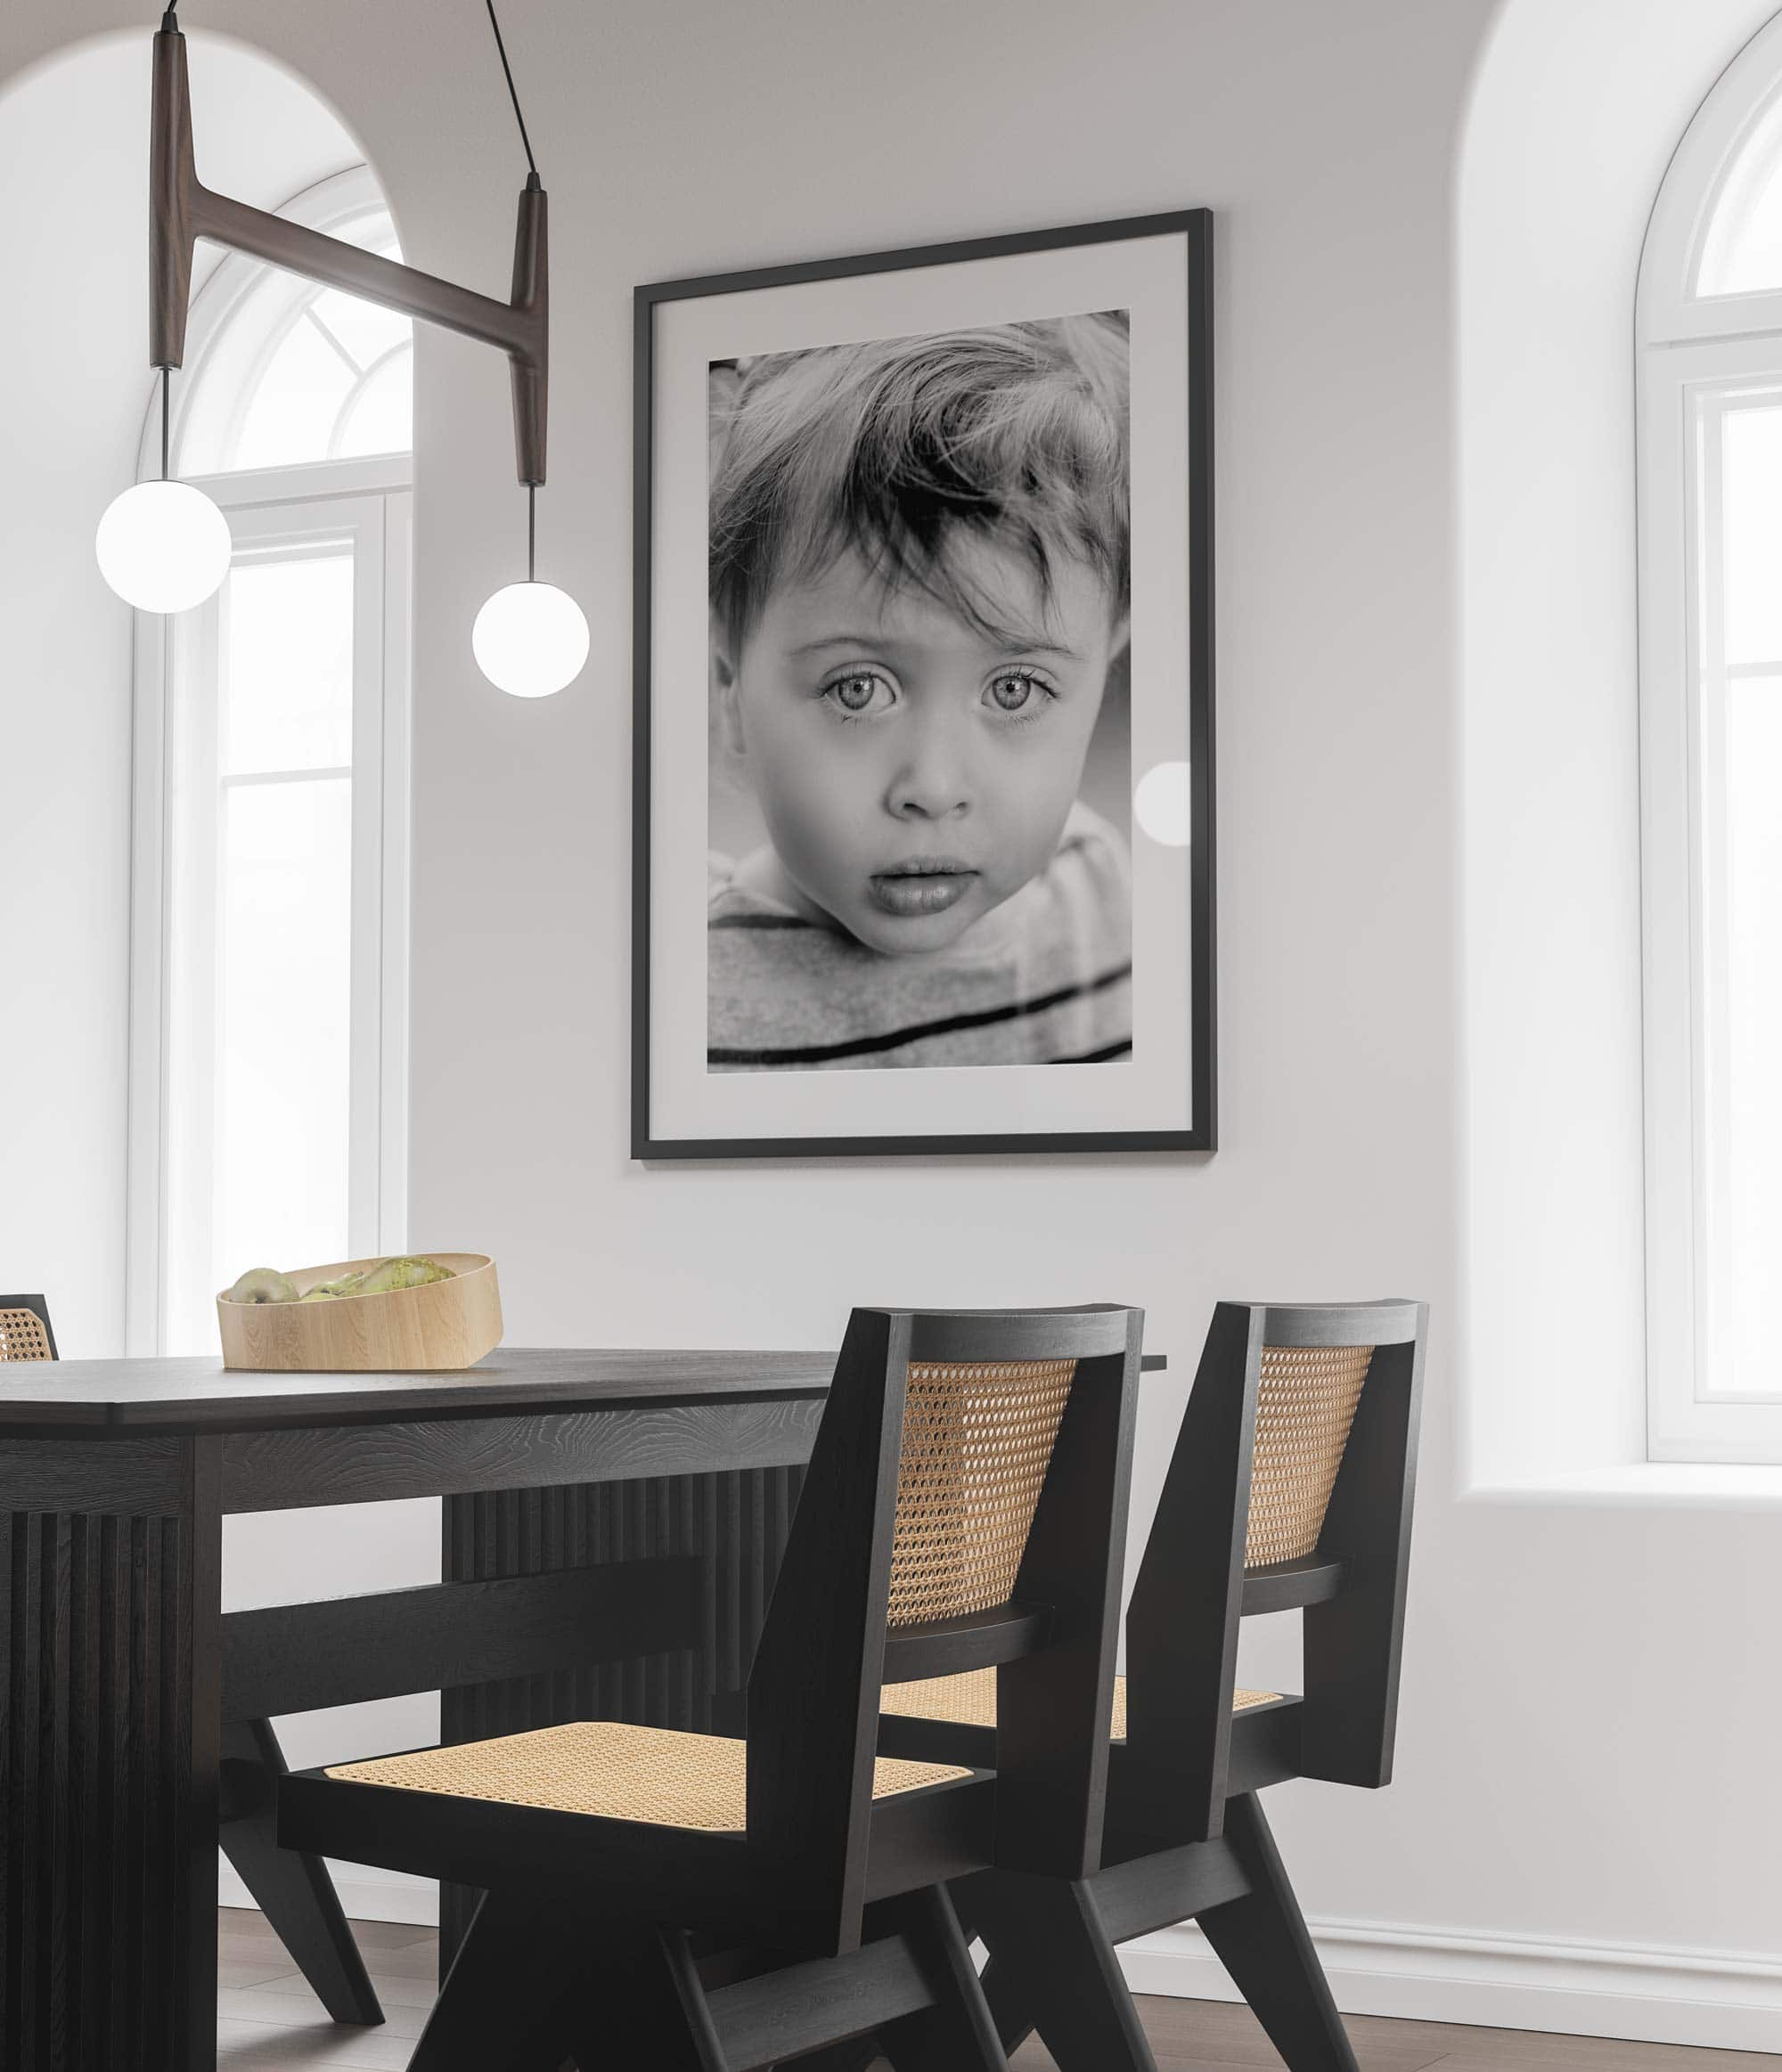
[(1194, 226)]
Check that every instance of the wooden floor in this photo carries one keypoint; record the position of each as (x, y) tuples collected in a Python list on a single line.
[(269, 2021)]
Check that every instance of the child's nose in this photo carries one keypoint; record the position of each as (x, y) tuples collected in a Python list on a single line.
[(932, 784)]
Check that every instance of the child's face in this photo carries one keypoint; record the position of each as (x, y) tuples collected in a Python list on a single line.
[(913, 771)]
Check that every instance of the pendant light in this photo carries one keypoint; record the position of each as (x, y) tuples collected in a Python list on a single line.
[(164, 546), (530, 638)]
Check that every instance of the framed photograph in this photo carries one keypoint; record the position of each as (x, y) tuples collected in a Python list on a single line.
[(923, 837)]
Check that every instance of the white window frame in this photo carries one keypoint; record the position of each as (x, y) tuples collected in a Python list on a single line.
[(366, 504), (1698, 358)]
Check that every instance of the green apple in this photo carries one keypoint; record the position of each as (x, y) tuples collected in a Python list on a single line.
[(263, 1284)]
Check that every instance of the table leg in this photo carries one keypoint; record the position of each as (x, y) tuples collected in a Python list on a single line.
[(738, 1522), (110, 1561)]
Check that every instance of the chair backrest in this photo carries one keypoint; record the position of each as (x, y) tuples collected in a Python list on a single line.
[(1290, 1487), (25, 1331), (965, 1507)]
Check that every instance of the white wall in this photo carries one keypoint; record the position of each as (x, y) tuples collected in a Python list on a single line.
[(1585, 1746), (74, 133), (65, 452)]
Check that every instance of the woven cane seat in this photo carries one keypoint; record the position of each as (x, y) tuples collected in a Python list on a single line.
[(608, 1771), (22, 1335), (969, 1700)]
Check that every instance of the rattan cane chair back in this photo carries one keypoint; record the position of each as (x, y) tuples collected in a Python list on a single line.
[(25, 1331), (977, 1441), (1289, 1488), (1306, 1399), (965, 1508)]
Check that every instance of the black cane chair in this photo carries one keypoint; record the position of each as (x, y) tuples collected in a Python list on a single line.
[(701, 1904), (1290, 1486), (294, 1892), (25, 1331)]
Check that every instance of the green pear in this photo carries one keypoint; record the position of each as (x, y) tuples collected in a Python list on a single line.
[(391, 1273), (263, 1284), (348, 1284)]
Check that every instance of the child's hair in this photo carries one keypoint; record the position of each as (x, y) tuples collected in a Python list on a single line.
[(902, 447)]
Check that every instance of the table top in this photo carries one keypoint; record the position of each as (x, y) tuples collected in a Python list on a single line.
[(76, 1399), (89, 1398)]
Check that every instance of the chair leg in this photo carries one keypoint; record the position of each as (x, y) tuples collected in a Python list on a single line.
[(1262, 1942), (1052, 1967), (1013, 2017), (292, 1889), (642, 2009), (503, 2006), (957, 2034)]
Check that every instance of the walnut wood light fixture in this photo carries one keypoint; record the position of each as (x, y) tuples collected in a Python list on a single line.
[(164, 545)]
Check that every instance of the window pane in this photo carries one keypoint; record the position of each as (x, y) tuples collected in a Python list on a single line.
[(1748, 1192), (372, 232), (284, 1001), (1742, 250), (367, 330), (294, 407), (288, 665), (1752, 460), (268, 388), (221, 383), (381, 418)]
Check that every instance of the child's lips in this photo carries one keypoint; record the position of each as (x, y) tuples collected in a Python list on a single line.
[(922, 885)]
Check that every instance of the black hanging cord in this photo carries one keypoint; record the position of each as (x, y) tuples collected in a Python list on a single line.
[(166, 378), (531, 529), (511, 95)]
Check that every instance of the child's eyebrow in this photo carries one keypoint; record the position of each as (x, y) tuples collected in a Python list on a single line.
[(837, 641), (878, 640)]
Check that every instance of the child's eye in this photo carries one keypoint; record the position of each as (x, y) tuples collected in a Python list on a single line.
[(859, 693), (1017, 691)]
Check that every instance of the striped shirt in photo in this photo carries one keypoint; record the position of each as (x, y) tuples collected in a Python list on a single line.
[(1046, 978)]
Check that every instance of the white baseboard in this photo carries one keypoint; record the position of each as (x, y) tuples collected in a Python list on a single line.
[(1716, 1999), (1713, 1999)]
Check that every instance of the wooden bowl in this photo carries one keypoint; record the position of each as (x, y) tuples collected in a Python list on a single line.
[(446, 1324)]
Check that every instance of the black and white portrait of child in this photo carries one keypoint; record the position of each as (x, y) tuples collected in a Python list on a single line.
[(919, 823)]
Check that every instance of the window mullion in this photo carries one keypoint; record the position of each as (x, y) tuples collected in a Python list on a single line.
[(394, 860), (364, 1131), (1710, 989), (193, 1005)]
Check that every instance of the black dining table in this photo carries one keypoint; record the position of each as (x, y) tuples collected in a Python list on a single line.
[(613, 1523), (639, 1496)]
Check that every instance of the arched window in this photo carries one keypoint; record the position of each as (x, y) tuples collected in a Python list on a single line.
[(282, 372), (1709, 349), (269, 1022)]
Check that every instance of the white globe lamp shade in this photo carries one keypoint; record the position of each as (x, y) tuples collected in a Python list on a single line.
[(1163, 806), (530, 639), (163, 546)]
